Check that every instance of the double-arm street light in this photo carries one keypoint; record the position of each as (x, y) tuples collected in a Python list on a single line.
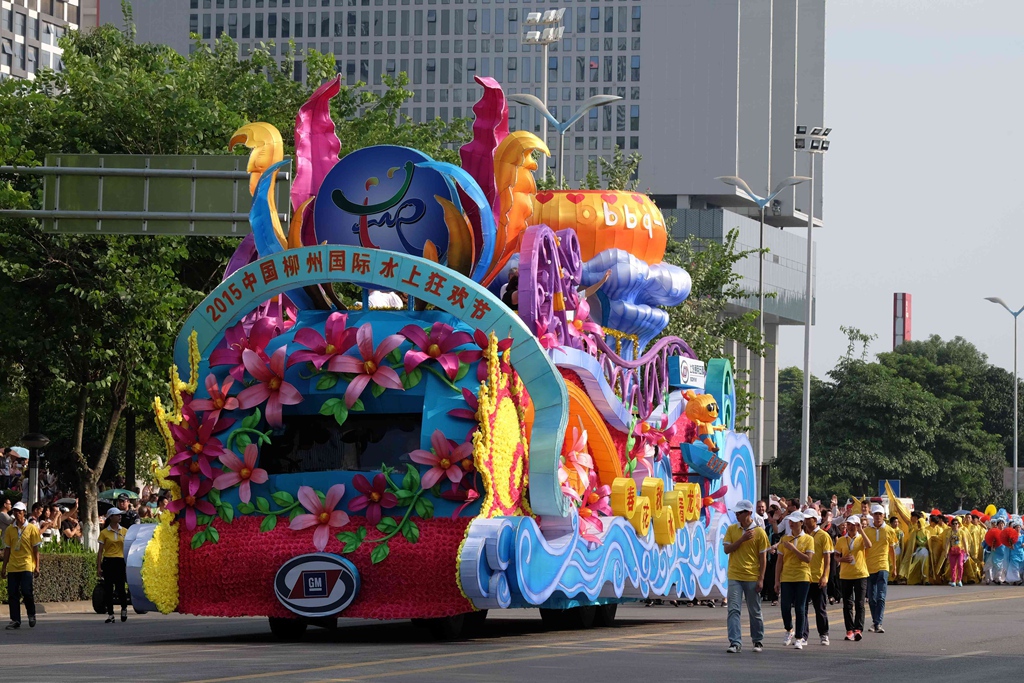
[(814, 142), (761, 202), (1015, 314), (562, 126), (543, 30)]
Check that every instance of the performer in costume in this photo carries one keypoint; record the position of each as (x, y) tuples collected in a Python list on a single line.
[(916, 553), (936, 548), (997, 555), (956, 552), (971, 543), (1014, 541), (895, 576)]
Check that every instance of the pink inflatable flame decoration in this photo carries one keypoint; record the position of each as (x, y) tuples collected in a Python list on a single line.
[(316, 143), (489, 129)]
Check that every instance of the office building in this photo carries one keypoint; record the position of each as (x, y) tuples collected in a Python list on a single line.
[(29, 31), (708, 88)]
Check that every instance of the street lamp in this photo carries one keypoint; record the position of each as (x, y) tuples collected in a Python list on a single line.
[(813, 143), (543, 30), (761, 202), (35, 443), (563, 126), (997, 300)]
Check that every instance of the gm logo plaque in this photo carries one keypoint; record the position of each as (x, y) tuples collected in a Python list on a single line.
[(316, 585)]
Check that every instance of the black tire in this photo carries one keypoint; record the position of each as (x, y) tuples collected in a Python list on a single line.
[(574, 619), (443, 628), (287, 629), (473, 622), (606, 615), (99, 595)]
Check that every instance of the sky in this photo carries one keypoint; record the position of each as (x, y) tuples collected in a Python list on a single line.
[(924, 180)]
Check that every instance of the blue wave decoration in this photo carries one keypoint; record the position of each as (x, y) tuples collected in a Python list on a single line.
[(514, 562)]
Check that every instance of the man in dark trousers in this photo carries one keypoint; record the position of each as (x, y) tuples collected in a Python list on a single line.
[(834, 531)]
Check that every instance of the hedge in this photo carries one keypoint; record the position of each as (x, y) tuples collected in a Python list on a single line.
[(63, 577)]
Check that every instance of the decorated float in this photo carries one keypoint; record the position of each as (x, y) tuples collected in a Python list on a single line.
[(451, 455)]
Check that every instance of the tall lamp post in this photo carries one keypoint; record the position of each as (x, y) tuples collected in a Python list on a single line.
[(543, 30), (814, 143), (1015, 314), (761, 202), (562, 126), (34, 443)]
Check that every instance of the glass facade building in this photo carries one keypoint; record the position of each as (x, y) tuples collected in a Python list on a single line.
[(29, 31)]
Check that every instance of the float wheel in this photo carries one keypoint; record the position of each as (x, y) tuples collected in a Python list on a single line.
[(443, 628), (287, 629), (574, 619), (606, 615)]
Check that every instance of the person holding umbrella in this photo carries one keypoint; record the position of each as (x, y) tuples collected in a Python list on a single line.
[(110, 566)]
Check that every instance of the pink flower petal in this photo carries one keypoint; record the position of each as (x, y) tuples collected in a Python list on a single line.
[(440, 444), (346, 364), (274, 410), (309, 499), (302, 522), (277, 361), (389, 344), (413, 358), (358, 503), (454, 340), (334, 496), (454, 474), (190, 518), (335, 327), (288, 394), (373, 514), (364, 340), (355, 389), (250, 455), (205, 507), (423, 457), (321, 536), (338, 518), (311, 339), (256, 366), (253, 396), (259, 476), (244, 492), (450, 363), (380, 483), (263, 330), (387, 378), (232, 462), (431, 477), (388, 500), (415, 334)]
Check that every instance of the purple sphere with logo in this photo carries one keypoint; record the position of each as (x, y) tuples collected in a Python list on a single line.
[(376, 197)]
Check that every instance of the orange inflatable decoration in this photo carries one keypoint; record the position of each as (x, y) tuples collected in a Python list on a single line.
[(605, 219)]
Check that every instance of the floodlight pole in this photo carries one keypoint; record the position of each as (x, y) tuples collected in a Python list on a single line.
[(805, 422), (1015, 314), (544, 130)]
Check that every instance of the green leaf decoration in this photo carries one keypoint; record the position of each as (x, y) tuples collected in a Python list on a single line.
[(214, 497), (387, 525), (265, 437), (403, 496), (361, 532), (376, 390), (411, 531), (340, 413), (411, 379), (358, 405), (283, 498), (268, 523), (246, 508), (203, 520), (395, 357), (411, 480), (198, 540), (463, 369), (242, 439), (326, 381), (424, 508), (351, 541), (226, 512), (213, 534), (379, 553), (328, 407), (263, 505), (251, 421), (294, 513)]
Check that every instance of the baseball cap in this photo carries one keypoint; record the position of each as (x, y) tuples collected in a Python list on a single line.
[(877, 508), (796, 518), (123, 496), (113, 512), (811, 513), (743, 506), (19, 506), (853, 519)]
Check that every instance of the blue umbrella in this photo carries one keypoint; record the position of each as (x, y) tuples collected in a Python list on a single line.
[(20, 452)]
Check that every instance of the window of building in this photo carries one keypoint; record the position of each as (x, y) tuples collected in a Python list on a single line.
[(259, 25), (207, 26), (609, 19), (592, 120), (246, 28), (325, 24), (634, 117), (595, 19), (595, 68), (233, 25), (193, 23), (636, 19), (634, 68)]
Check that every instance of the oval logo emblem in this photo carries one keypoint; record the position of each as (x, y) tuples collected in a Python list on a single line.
[(316, 585)]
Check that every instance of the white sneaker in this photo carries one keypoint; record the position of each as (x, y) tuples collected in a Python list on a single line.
[(824, 640), (799, 643), (789, 639)]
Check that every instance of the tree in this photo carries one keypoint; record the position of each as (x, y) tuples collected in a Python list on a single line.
[(99, 314)]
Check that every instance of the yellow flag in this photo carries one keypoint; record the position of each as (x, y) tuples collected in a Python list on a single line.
[(896, 506)]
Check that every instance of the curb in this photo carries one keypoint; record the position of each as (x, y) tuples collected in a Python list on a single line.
[(78, 607)]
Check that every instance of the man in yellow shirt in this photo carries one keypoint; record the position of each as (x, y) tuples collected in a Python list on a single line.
[(21, 542), (821, 567), (853, 575), (746, 544), (880, 559)]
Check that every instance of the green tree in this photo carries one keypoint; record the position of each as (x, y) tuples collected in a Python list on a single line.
[(98, 314)]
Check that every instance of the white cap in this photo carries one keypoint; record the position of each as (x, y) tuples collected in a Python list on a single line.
[(811, 513), (19, 506), (743, 506), (853, 519), (796, 518), (876, 508), (113, 512)]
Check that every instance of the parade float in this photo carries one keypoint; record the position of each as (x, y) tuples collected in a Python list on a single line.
[(450, 456)]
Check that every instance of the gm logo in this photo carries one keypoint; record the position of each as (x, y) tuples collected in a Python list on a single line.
[(316, 585)]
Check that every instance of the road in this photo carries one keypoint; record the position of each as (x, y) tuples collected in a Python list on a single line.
[(933, 634)]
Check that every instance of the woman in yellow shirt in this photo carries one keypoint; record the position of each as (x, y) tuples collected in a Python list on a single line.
[(853, 575), (793, 578), (110, 565)]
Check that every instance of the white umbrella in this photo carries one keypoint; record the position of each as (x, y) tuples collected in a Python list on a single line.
[(20, 452)]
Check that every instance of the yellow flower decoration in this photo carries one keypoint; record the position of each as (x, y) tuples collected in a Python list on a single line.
[(164, 419), (160, 565)]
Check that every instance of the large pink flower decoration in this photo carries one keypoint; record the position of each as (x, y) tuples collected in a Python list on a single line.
[(439, 345), (270, 385), (577, 459), (375, 497), (192, 489), (241, 472), (482, 341), (194, 439), (581, 325), (321, 349), (219, 399), (444, 460), (236, 341), (548, 338), (369, 366), (321, 515), (594, 502)]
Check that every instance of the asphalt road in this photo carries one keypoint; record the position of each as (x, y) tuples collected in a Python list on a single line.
[(933, 634)]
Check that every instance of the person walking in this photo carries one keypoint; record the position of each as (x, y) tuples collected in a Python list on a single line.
[(773, 528), (881, 557), (834, 530), (853, 576), (956, 543), (110, 566), (746, 544), (821, 571), (21, 542), (793, 577)]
